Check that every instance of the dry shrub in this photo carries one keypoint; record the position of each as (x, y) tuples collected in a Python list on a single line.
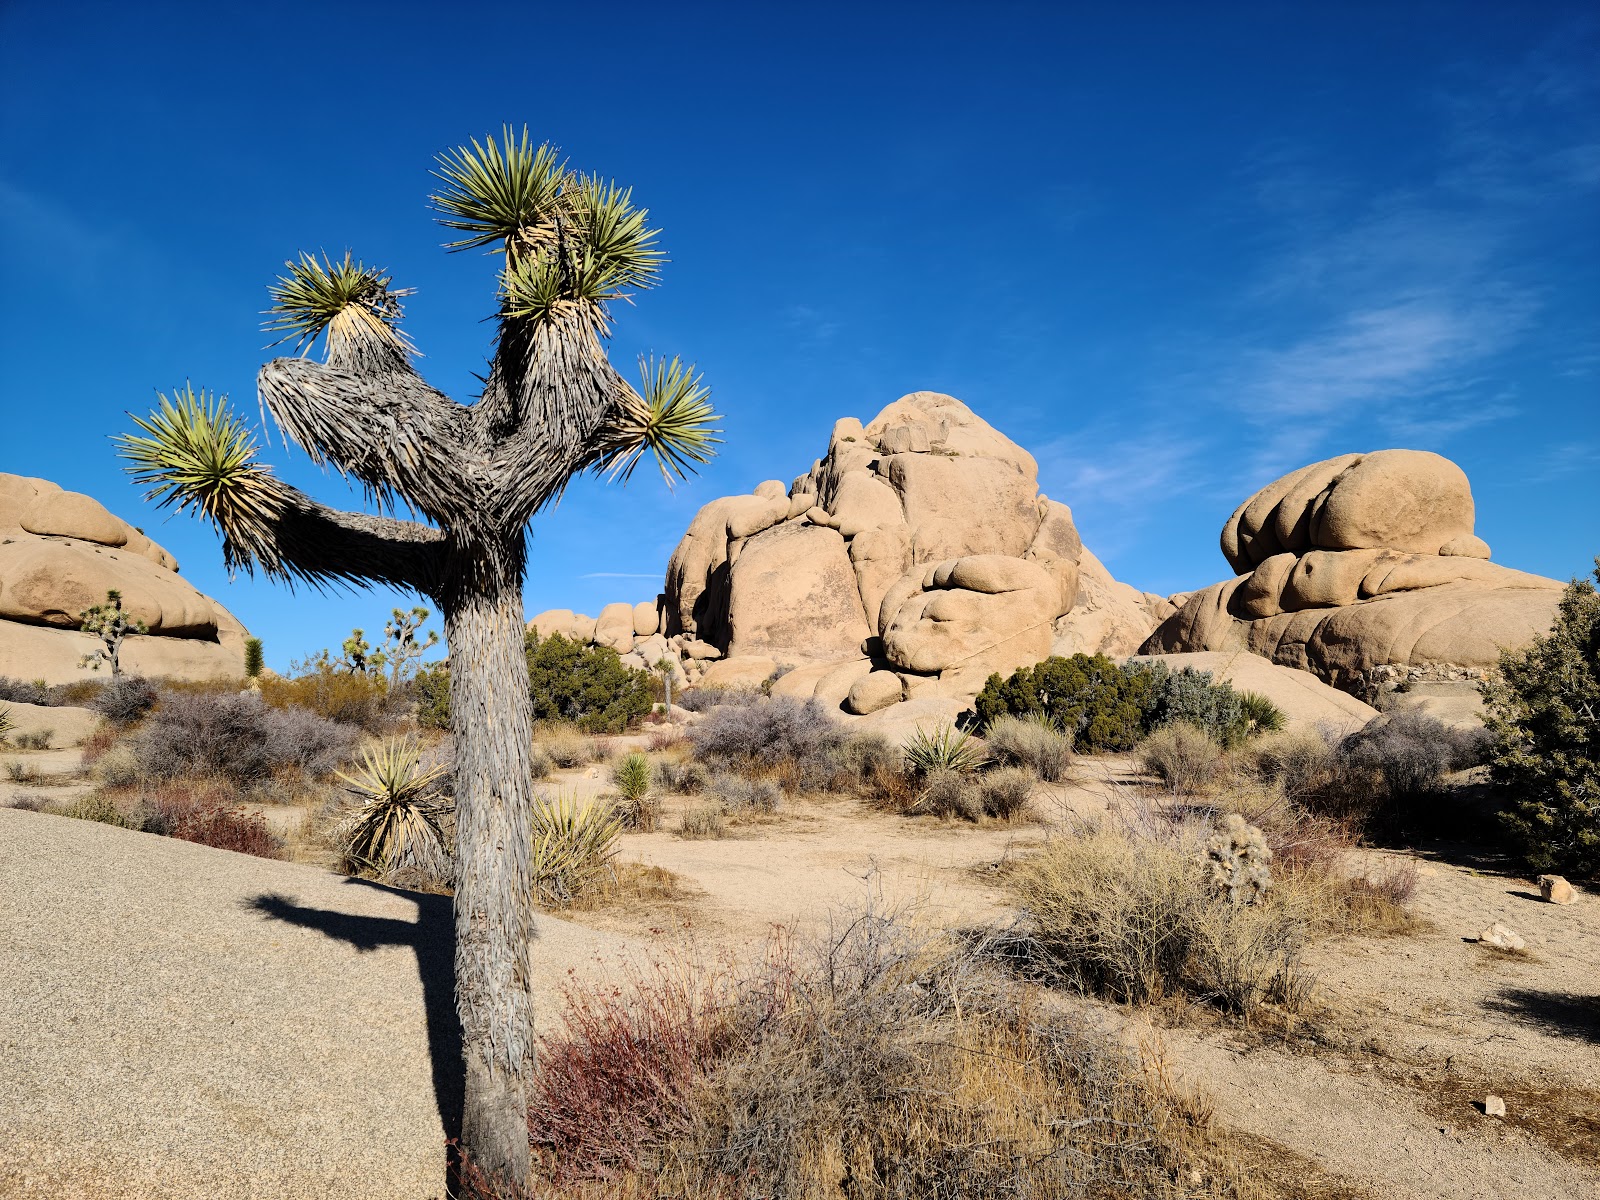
[(869, 1065), (98, 807), (97, 743), (1298, 761), (947, 793), (568, 747), (1005, 792), (686, 778), (236, 736), (1184, 757), (736, 795), (1134, 918), (668, 738), (208, 812), (348, 697), (1031, 743), (791, 741), (125, 699), (701, 822)]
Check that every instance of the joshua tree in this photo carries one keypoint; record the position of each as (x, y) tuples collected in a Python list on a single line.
[(401, 646), (552, 406), (111, 625), (358, 657)]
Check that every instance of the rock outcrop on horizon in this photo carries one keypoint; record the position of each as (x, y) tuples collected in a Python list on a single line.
[(1364, 570), (915, 558), (60, 552)]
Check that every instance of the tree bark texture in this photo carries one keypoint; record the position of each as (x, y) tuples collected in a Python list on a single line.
[(491, 716)]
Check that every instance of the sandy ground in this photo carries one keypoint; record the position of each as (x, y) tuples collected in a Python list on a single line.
[(178, 1021)]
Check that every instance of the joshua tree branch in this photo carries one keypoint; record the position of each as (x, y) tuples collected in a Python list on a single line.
[(387, 428)]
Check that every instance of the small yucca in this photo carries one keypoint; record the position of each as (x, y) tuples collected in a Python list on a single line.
[(573, 843), (396, 820), (944, 749), (6, 724)]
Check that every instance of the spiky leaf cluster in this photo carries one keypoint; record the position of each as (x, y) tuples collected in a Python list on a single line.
[(353, 302), (396, 818), (197, 454), (572, 242)]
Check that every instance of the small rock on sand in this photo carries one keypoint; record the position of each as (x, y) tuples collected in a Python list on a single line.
[(1499, 936), (1494, 1106), (1556, 890)]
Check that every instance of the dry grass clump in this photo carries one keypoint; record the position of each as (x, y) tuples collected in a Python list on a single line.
[(1138, 918), (567, 746), (1035, 744), (348, 697), (701, 822), (872, 1064), (1184, 757)]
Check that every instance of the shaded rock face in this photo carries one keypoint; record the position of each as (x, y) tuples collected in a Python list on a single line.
[(60, 552), (1361, 562), (914, 558)]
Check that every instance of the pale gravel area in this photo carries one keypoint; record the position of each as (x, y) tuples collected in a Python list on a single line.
[(166, 1032)]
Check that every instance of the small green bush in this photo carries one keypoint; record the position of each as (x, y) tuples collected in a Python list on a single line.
[(587, 685), (632, 778), (1101, 705), (1542, 715), (431, 687), (1108, 708)]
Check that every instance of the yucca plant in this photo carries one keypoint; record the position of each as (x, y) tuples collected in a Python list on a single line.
[(632, 778), (945, 748), (572, 845), (552, 407), (1260, 715), (395, 821), (7, 723)]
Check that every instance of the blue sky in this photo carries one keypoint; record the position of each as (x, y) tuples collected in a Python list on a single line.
[(1173, 249)]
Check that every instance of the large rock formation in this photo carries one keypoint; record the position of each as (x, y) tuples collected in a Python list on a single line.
[(60, 552), (914, 558), (1364, 567)]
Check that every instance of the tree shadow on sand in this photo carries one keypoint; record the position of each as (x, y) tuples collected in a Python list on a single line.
[(1560, 1014), (431, 938)]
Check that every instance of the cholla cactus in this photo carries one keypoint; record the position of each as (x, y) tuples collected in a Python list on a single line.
[(1238, 858)]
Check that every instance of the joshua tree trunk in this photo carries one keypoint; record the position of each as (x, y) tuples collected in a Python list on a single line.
[(491, 716)]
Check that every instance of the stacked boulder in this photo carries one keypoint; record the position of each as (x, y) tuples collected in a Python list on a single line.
[(914, 559), (1360, 569), (60, 553)]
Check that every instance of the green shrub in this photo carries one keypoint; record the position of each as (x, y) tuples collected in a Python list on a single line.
[(1099, 704), (1542, 715), (254, 658), (1106, 708), (587, 685), (95, 807), (431, 687), (395, 820)]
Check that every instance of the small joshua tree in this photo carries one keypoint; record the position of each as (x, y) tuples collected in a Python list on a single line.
[(358, 657), (401, 646), (668, 666), (111, 625), (552, 408)]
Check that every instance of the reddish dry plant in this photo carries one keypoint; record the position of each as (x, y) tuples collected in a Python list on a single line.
[(97, 743), (207, 812), (615, 1080)]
